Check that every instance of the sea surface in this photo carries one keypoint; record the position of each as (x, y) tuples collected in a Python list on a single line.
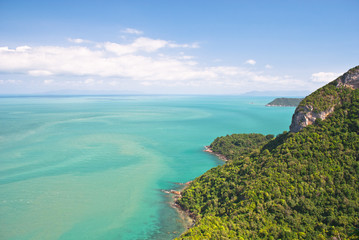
[(93, 167)]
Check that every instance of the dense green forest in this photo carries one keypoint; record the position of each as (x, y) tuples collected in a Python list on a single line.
[(293, 186), (285, 102)]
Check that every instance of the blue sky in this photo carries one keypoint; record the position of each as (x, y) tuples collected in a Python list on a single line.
[(175, 47)]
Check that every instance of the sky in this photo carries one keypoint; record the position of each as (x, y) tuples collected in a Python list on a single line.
[(175, 47)]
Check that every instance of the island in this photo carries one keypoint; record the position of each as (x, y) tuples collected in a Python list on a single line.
[(285, 102), (301, 184)]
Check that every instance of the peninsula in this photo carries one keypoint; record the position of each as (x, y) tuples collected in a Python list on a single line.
[(302, 184), (285, 102)]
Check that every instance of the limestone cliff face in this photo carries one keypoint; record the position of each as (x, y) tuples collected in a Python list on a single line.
[(349, 79), (306, 114)]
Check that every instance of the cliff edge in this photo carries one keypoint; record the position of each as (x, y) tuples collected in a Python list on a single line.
[(323, 101)]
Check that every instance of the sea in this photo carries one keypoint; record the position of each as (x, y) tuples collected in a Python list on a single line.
[(98, 167)]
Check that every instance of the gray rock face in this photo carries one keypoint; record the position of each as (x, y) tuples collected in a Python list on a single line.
[(305, 115), (349, 79)]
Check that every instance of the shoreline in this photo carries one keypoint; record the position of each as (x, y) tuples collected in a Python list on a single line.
[(280, 105), (188, 218), (208, 149)]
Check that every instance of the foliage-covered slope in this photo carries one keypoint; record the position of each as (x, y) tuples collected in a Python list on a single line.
[(287, 102), (297, 186), (235, 144), (322, 102), (331, 94)]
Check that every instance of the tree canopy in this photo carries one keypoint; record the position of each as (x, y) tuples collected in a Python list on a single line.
[(295, 186)]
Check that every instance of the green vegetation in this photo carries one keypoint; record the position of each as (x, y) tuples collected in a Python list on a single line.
[(324, 98), (285, 102), (296, 186), (328, 96), (235, 144)]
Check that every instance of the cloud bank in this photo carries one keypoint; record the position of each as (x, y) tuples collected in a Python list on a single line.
[(144, 61), (324, 77), (107, 59)]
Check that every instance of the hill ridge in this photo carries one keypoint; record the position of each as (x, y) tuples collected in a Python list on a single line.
[(311, 108), (302, 185)]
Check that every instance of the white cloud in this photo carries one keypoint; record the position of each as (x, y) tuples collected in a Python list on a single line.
[(10, 81), (119, 49), (184, 57), (175, 45), (226, 71), (143, 60), (146, 83), (142, 44), (37, 73), (148, 44), (4, 49), (48, 81), (77, 40), (17, 49), (92, 82), (251, 62), (324, 77), (132, 31), (268, 66), (113, 83), (23, 48)]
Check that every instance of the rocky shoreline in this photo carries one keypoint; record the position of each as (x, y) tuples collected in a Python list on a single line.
[(279, 105), (189, 219), (220, 156)]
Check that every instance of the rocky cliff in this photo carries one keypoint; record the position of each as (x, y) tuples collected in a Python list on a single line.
[(322, 102), (349, 79)]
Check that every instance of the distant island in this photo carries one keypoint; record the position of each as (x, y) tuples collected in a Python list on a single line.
[(285, 102)]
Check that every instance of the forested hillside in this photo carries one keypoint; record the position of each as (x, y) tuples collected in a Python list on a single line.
[(302, 185), (285, 102)]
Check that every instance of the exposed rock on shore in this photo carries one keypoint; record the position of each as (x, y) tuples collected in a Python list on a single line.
[(187, 217), (220, 156)]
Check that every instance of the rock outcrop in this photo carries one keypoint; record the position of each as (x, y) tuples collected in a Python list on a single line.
[(349, 79), (306, 114)]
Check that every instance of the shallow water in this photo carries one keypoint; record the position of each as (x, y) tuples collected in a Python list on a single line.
[(94, 167)]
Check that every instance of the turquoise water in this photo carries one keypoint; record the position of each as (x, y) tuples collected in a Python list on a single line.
[(94, 167)]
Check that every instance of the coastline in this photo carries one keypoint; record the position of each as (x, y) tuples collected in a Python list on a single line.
[(280, 105), (188, 218), (210, 150)]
